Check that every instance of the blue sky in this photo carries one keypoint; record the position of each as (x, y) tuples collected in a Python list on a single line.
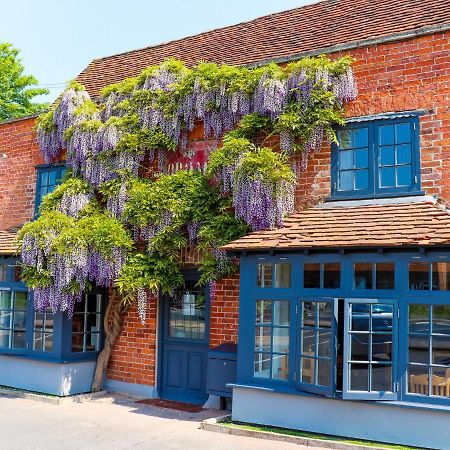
[(58, 38)]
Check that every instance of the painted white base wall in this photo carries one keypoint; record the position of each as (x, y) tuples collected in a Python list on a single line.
[(46, 377), (134, 389), (419, 427)]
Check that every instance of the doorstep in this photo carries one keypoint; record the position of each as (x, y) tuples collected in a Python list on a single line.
[(214, 424), (52, 399)]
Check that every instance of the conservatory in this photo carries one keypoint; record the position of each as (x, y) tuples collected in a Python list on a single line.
[(344, 323)]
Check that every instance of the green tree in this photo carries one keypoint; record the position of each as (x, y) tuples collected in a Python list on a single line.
[(16, 88)]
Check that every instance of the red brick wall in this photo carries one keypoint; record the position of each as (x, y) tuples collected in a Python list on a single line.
[(17, 172)]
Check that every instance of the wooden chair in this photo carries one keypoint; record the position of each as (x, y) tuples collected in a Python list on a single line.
[(440, 385)]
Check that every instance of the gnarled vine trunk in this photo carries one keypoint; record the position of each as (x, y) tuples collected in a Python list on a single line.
[(116, 309)]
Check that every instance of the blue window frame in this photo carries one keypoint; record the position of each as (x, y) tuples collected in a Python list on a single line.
[(376, 158), (47, 178), (372, 338)]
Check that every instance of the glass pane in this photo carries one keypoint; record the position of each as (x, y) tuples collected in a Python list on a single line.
[(5, 319), (441, 276), (311, 273), (363, 276), (387, 177), (419, 319), (4, 339), (77, 342), (359, 377), (381, 378), (325, 314), (359, 347), (419, 276), (308, 366), (385, 275), (404, 154), (382, 315), (308, 314), (387, 156), (324, 372), (441, 350), (309, 342), (325, 343), (441, 319), (48, 342), (346, 180), (281, 313), (440, 382), (38, 341), (262, 365), (280, 367), (345, 138), (280, 340), (3, 272), (361, 179), (19, 321), (362, 158), (94, 303), (264, 311), (403, 133), (5, 300), (17, 274), (418, 349), (283, 275), (21, 300), (404, 175), (91, 342), (386, 135), (360, 137), (418, 380), (346, 159), (262, 339), (53, 177), (264, 278), (44, 178), (360, 317), (382, 347), (19, 340), (332, 276), (93, 322)]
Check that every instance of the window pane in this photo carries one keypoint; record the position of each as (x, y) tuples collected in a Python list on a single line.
[(440, 382), (346, 180), (325, 310), (5, 338), (361, 179), (404, 154), (346, 159), (385, 275), (441, 319), (403, 133), (77, 342), (332, 276), (264, 275), (325, 343), (308, 316), (53, 177), (5, 319), (418, 380), (264, 311), (311, 274), (404, 175), (308, 366), (382, 316), (38, 341), (19, 320), (360, 137), (359, 347), (44, 178), (262, 339), (48, 347), (281, 313), (419, 321), (360, 315), (382, 347), (20, 300), (363, 276), (381, 378), (262, 365), (359, 377), (441, 276), (418, 349), (323, 372), (280, 367), (387, 156), (386, 135), (419, 276), (283, 275), (345, 138), (17, 273), (3, 272), (280, 340), (6, 300), (19, 340), (441, 350), (387, 177), (362, 159), (309, 342)]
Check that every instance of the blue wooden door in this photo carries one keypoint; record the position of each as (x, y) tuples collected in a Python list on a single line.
[(184, 345)]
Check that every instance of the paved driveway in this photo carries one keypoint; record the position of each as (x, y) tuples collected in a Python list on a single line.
[(112, 423)]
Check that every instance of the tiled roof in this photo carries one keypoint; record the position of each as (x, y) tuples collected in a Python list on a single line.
[(383, 225), (7, 242), (281, 35)]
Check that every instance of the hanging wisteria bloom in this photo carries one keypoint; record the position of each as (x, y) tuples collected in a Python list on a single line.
[(142, 303), (116, 203), (72, 204)]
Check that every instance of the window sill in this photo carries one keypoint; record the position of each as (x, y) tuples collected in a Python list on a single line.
[(334, 198), (390, 403), (53, 359)]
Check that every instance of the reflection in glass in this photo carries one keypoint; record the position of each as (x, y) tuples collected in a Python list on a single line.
[(280, 340), (381, 378), (308, 370), (359, 377), (281, 313), (359, 347), (382, 316), (323, 372), (3, 272), (280, 367), (385, 278), (381, 348), (325, 343), (264, 311), (5, 300), (441, 276), (419, 276), (262, 365), (282, 275), (331, 275), (418, 349), (311, 273), (325, 314), (264, 275), (363, 275), (309, 314), (441, 350), (309, 342), (441, 319), (262, 339), (419, 318)]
